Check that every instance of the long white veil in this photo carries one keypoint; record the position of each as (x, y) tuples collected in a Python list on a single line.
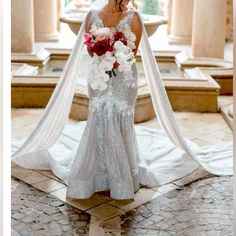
[(34, 154)]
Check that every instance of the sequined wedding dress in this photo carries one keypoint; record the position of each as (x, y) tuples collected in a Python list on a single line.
[(107, 157), (108, 151)]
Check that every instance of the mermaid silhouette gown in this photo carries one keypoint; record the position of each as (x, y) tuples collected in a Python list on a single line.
[(109, 152), (108, 156)]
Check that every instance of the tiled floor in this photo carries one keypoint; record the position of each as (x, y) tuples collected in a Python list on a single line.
[(104, 212), (202, 208), (37, 213)]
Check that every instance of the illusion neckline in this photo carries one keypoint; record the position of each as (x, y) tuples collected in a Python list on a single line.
[(119, 22)]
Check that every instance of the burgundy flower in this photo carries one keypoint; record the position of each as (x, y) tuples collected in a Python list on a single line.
[(119, 36), (101, 47), (88, 41)]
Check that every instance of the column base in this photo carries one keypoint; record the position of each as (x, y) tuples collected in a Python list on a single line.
[(186, 60), (174, 39), (39, 57), (202, 51), (47, 37)]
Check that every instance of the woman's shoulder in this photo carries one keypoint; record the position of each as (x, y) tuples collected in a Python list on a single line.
[(136, 23), (135, 13)]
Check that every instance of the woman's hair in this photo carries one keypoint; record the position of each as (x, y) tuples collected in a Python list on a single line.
[(118, 5)]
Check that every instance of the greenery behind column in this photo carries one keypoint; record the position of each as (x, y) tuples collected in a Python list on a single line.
[(150, 7)]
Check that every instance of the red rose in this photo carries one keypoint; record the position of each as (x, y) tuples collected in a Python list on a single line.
[(101, 47), (119, 36)]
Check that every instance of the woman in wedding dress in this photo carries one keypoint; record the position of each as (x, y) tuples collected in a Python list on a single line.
[(107, 152), (107, 157)]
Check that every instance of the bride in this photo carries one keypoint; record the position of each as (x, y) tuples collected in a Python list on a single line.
[(107, 152)]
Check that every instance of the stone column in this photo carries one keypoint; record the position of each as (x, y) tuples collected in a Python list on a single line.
[(229, 21), (22, 26), (181, 22), (60, 12), (168, 13), (46, 20), (209, 28)]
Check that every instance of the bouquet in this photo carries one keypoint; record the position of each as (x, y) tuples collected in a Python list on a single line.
[(109, 46)]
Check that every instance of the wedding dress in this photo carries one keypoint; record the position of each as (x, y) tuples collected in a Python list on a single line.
[(107, 151)]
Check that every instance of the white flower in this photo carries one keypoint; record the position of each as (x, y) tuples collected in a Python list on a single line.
[(123, 49), (125, 60), (106, 65), (105, 77), (122, 54), (95, 59), (98, 77), (120, 47), (106, 62), (118, 44), (105, 31), (110, 57), (121, 57)]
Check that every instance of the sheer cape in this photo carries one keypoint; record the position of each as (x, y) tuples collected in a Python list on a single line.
[(34, 152)]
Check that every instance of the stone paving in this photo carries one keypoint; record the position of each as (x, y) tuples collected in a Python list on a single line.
[(198, 204), (202, 208), (37, 213)]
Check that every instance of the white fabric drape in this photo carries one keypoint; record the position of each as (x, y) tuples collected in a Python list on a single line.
[(34, 154), (55, 114), (209, 159)]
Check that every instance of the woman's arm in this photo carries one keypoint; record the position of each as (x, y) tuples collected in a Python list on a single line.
[(87, 29), (136, 27)]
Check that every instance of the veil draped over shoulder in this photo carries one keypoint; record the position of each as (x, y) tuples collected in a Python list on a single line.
[(34, 153)]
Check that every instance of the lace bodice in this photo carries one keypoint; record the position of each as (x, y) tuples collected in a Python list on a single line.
[(124, 25)]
